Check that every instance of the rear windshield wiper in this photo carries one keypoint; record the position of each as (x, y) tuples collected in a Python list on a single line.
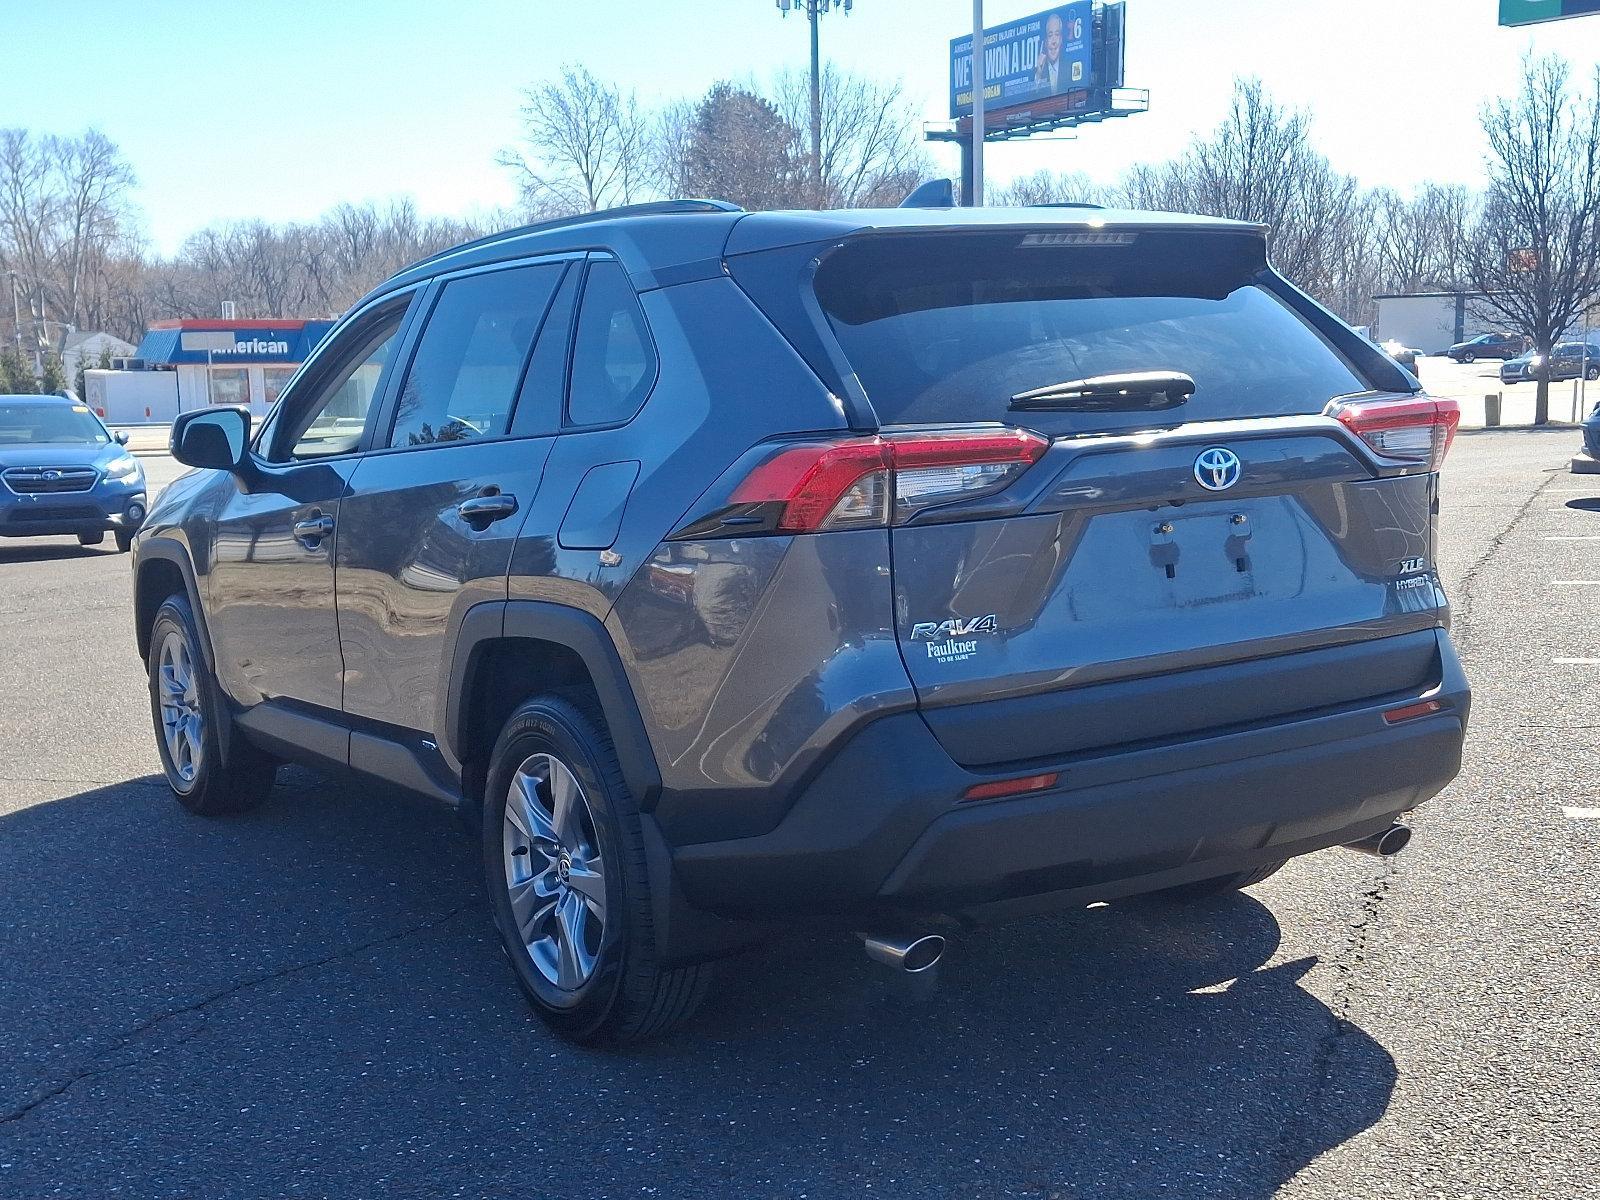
[(1138, 391)]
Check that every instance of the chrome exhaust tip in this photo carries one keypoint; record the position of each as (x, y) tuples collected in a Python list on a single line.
[(1385, 843), (913, 955)]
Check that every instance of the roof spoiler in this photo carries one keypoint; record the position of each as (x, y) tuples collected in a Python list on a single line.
[(935, 193)]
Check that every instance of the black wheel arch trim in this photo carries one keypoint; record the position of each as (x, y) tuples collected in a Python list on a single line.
[(578, 631), (173, 551)]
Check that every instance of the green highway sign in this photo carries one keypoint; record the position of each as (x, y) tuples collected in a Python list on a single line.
[(1532, 12)]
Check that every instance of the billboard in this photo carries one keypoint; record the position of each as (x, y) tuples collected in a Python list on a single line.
[(1531, 12), (1029, 60)]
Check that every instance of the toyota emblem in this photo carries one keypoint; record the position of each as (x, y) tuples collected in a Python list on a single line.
[(1217, 469)]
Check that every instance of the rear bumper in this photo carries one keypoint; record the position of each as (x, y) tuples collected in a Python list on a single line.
[(881, 830)]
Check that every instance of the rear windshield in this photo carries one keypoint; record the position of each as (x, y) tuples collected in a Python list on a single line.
[(949, 327), (27, 423)]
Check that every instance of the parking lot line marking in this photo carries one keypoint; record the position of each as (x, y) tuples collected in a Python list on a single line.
[(1583, 814), (1576, 661), (1572, 537), (1575, 583)]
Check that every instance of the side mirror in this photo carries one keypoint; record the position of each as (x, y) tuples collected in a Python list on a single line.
[(121, 437), (216, 438)]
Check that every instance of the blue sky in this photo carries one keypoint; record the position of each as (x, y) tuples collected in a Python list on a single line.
[(281, 110)]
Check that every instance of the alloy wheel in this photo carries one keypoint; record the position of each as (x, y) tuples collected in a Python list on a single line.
[(182, 721), (555, 877)]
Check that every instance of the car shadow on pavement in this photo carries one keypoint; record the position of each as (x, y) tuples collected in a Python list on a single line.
[(50, 553), (311, 995)]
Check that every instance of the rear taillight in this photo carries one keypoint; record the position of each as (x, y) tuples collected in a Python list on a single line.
[(1410, 429), (856, 482)]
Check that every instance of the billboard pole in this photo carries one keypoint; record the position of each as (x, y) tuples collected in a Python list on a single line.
[(976, 199)]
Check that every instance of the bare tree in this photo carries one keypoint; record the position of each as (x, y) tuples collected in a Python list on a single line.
[(1421, 242), (1046, 187), (91, 183), (732, 145), (1258, 165), (28, 209), (585, 146), (64, 216), (1535, 260), (870, 154)]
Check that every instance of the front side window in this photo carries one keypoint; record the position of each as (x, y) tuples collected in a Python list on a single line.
[(613, 359), (332, 417), (47, 422), (471, 357)]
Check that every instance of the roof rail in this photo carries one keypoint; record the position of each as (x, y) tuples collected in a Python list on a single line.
[(1067, 204), (651, 208)]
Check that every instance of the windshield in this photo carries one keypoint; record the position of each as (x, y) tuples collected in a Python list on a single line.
[(33, 422), (950, 327)]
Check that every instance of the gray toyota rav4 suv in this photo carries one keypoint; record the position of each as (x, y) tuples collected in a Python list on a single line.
[(884, 570)]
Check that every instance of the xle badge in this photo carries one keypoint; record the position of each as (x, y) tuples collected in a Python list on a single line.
[(954, 640)]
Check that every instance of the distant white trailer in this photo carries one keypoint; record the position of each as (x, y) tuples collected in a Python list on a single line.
[(132, 397), (1428, 321)]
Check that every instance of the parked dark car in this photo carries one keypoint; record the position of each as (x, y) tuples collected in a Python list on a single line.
[(862, 569), (1591, 433), (64, 473), (1487, 345), (1567, 361)]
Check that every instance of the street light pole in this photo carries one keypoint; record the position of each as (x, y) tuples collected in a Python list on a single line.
[(816, 101), (814, 13), (16, 312), (38, 321)]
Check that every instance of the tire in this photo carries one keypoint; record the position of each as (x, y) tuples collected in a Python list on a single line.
[(590, 974), (1591, 374), (124, 539), (1469, 358), (91, 539), (1221, 885), (210, 768)]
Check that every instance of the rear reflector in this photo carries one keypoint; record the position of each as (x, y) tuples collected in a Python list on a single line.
[(1011, 787), (1411, 712), (857, 482), (1410, 429)]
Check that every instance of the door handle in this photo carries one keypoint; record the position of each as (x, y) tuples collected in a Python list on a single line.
[(313, 529), (481, 510)]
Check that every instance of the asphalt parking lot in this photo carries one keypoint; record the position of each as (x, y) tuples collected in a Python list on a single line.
[(1469, 383), (309, 1001)]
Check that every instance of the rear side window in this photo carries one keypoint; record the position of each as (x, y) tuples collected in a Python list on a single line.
[(544, 383), (947, 328), (613, 360), (470, 359)]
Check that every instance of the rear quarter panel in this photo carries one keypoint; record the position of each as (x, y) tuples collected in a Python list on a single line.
[(727, 380)]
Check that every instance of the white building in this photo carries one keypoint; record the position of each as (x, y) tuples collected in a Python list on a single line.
[(84, 350), (245, 363), (1428, 321)]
